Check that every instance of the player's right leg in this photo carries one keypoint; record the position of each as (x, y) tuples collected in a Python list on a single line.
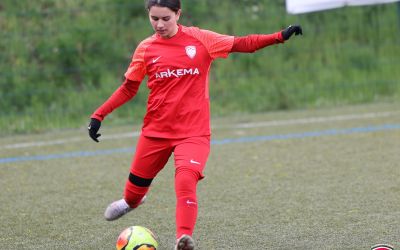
[(150, 157), (135, 194), (119, 208)]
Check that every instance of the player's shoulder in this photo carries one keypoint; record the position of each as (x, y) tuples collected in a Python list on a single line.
[(192, 30), (201, 33), (147, 41), (143, 45)]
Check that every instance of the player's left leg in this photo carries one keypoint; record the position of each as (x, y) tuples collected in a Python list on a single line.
[(190, 159), (185, 242)]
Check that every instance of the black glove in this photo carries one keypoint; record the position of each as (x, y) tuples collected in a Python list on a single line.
[(93, 128), (288, 32)]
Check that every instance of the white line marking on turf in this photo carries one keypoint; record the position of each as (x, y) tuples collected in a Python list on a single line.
[(69, 140), (313, 120), (246, 139), (310, 120)]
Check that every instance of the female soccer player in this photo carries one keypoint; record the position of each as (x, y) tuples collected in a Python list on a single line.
[(177, 61)]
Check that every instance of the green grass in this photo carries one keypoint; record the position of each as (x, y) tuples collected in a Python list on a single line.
[(326, 192), (60, 60)]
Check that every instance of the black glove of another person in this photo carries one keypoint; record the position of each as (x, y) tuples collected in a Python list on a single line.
[(292, 29), (93, 128)]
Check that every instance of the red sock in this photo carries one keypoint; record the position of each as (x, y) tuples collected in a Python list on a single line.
[(133, 194), (186, 206)]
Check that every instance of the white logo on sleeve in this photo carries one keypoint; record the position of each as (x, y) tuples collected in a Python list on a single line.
[(190, 51), (190, 202), (195, 162), (156, 59)]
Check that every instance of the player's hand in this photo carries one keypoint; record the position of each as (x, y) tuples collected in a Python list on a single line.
[(292, 29), (93, 128)]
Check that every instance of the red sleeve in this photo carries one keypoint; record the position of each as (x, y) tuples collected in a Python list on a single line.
[(251, 43), (137, 68), (123, 94)]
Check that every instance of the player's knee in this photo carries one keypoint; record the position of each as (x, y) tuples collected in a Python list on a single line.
[(187, 172), (185, 181), (139, 181)]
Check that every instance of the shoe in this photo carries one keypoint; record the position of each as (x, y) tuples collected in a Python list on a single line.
[(185, 242), (119, 208)]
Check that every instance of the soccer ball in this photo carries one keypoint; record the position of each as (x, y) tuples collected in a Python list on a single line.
[(136, 238)]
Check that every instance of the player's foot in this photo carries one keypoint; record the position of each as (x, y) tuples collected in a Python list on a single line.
[(185, 242), (118, 208)]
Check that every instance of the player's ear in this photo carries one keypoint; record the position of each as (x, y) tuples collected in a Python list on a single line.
[(178, 14)]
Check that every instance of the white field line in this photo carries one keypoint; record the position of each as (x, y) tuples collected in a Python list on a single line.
[(312, 120), (69, 140), (249, 125)]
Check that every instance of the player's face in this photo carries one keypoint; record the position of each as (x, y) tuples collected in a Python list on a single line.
[(164, 21)]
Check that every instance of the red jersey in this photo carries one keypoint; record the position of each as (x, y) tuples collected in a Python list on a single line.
[(177, 69)]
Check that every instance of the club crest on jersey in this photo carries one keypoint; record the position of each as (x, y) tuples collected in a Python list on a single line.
[(190, 51)]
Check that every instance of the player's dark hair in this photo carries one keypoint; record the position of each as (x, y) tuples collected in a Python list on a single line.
[(173, 5)]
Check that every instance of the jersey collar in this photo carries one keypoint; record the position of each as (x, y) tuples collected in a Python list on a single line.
[(178, 34)]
